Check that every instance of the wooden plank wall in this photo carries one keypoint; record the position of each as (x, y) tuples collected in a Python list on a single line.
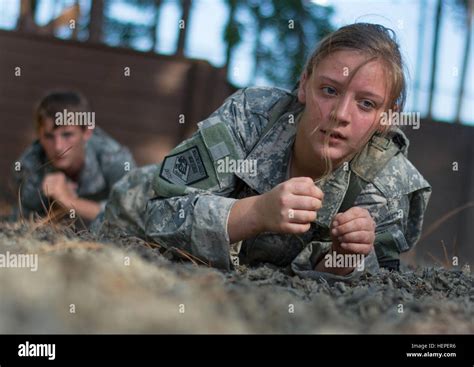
[(433, 150), (141, 110)]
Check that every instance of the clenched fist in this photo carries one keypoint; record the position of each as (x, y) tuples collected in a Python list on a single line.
[(353, 232), (290, 207), (55, 186)]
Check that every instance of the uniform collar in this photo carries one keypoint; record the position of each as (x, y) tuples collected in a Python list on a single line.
[(399, 137), (272, 153), (334, 187)]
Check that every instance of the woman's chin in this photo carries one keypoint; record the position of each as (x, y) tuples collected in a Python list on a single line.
[(332, 153)]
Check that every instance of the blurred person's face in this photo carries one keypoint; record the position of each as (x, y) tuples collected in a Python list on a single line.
[(64, 146), (341, 107)]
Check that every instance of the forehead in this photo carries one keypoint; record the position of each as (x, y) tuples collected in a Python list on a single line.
[(357, 67), (48, 126)]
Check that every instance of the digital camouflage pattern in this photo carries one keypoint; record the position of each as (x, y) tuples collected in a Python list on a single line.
[(106, 162), (185, 202)]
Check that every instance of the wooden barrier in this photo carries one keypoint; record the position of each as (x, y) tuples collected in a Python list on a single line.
[(137, 97)]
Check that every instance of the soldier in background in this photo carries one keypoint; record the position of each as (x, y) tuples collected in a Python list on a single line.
[(308, 179), (73, 163)]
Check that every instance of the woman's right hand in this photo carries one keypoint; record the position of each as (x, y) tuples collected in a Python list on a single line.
[(290, 207)]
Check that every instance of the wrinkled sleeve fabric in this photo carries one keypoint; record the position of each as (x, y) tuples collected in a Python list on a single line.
[(117, 164), (196, 223), (196, 220), (27, 179)]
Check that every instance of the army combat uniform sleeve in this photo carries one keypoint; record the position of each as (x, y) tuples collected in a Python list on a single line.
[(117, 164), (27, 178), (399, 197), (192, 205)]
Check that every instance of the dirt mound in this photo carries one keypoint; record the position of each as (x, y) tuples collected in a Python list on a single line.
[(81, 286)]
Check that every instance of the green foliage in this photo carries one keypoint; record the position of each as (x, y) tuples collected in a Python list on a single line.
[(126, 33), (233, 29), (461, 11), (286, 32)]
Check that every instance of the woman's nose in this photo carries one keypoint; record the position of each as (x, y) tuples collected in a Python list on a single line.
[(341, 111)]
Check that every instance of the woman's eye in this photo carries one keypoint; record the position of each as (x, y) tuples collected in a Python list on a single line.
[(367, 105), (67, 135), (329, 91)]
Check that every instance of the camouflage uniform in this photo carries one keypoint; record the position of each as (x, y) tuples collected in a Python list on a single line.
[(185, 202), (105, 164)]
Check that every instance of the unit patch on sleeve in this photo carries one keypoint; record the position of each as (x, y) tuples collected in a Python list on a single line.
[(184, 168)]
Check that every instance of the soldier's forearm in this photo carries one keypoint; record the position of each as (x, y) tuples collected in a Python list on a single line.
[(244, 220), (87, 209)]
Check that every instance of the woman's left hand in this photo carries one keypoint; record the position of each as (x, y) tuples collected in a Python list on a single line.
[(353, 232)]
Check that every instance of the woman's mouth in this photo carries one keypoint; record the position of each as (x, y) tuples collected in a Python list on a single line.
[(333, 135)]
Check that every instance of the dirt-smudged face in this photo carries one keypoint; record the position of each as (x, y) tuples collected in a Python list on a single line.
[(344, 97)]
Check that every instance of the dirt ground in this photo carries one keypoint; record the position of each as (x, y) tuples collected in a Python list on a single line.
[(81, 286)]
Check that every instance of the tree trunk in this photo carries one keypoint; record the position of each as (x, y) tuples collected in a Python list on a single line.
[(231, 21), (258, 46), (26, 22), (76, 20), (434, 58), (186, 5), (156, 26), (419, 55), (96, 21), (465, 62)]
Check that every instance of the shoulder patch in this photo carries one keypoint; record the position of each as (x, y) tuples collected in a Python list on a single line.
[(184, 168)]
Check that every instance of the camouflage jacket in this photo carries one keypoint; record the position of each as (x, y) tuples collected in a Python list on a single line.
[(185, 202), (106, 162)]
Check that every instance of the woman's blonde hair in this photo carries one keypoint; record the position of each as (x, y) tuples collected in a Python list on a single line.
[(378, 43), (375, 40)]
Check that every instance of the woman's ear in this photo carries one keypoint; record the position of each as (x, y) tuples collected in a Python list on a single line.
[(302, 88)]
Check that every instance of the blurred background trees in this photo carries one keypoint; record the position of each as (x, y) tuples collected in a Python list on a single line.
[(281, 33), (285, 30)]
